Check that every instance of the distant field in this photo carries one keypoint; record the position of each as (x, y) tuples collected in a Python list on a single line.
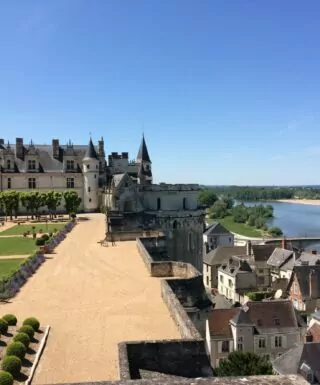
[(17, 246), (239, 228), (9, 265), (19, 230)]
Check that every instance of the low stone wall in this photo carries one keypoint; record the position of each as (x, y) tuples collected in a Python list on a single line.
[(119, 236), (184, 358), (10, 286)]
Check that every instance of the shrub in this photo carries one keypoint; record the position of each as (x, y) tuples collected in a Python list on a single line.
[(33, 322), (50, 235), (5, 378), (40, 242), (11, 364), (16, 349), (55, 230), (275, 231), (27, 329), (260, 295), (11, 319), (22, 337), (45, 237), (3, 326)]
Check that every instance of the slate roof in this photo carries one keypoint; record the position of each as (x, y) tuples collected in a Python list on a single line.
[(262, 253), (269, 314), (215, 229), (279, 257), (143, 154), (304, 353), (47, 162), (302, 274), (219, 319), (222, 254), (313, 259), (117, 178), (91, 152), (236, 266)]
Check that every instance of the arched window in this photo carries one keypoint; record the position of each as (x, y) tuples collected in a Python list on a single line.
[(184, 203), (159, 204)]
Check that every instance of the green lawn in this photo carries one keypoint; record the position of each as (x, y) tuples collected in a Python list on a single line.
[(9, 265), (17, 246), (19, 230), (239, 228)]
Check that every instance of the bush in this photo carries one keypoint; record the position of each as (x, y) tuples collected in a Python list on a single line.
[(22, 337), (275, 231), (45, 237), (16, 349), (27, 329), (11, 319), (33, 322), (40, 242), (260, 295), (5, 378), (3, 326), (11, 364)]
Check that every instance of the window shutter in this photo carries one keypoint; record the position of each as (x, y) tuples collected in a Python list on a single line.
[(219, 346), (272, 342), (231, 346), (284, 341)]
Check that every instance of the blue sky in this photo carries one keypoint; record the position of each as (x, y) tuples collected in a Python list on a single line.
[(227, 92)]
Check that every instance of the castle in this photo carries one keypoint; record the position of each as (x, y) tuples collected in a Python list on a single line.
[(122, 187)]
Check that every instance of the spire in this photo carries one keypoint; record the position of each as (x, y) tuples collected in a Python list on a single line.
[(91, 152), (143, 155)]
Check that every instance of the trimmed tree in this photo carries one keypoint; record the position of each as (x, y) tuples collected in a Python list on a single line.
[(52, 201), (244, 364), (10, 202), (72, 201)]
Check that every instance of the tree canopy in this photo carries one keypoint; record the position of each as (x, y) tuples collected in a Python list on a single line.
[(244, 364), (207, 197)]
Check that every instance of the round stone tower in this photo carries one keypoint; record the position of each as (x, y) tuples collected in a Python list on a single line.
[(91, 179)]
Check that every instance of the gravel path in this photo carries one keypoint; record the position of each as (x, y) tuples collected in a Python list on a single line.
[(93, 297)]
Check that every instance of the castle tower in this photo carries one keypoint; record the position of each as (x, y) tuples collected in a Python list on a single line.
[(91, 179), (143, 159)]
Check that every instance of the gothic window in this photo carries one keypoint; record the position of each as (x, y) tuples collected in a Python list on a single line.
[(31, 164), (32, 183), (70, 165), (8, 164), (70, 182), (89, 189), (159, 204), (9, 183), (225, 347)]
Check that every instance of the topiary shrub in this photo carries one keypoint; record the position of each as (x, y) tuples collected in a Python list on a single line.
[(40, 242), (45, 237), (5, 378), (22, 337), (11, 364), (11, 319), (16, 349), (33, 322), (27, 329), (3, 326)]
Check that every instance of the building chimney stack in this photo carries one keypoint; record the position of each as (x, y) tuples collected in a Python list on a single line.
[(249, 248), (284, 243), (19, 148), (101, 153), (55, 148)]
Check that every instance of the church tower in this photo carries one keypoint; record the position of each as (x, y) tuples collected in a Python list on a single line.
[(91, 179), (144, 162)]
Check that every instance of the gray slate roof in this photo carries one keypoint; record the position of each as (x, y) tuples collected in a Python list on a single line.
[(236, 266), (91, 152), (279, 257), (262, 253), (222, 254), (143, 154), (215, 229), (302, 274)]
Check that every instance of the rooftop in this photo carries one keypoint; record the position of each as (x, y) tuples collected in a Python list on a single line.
[(222, 253)]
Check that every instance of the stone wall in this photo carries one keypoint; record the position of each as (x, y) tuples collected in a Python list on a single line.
[(129, 235)]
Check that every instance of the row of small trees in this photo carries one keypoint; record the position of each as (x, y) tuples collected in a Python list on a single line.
[(33, 201)]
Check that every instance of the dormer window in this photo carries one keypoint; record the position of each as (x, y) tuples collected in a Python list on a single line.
[(31, 164), (70, 165)]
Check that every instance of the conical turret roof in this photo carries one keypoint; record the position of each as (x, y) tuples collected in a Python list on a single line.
[(91, 151), (143, 154)]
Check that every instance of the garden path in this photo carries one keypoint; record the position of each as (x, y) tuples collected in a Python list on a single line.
[(93, 297)]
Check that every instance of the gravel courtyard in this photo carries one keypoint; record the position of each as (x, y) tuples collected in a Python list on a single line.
[(93, 297)]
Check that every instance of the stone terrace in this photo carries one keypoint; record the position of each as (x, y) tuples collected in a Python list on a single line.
[(93, 297)]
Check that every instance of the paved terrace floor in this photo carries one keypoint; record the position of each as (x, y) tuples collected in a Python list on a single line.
[(93, 297)]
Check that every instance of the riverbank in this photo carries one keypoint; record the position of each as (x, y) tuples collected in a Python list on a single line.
[(241, 229), (312, 202)]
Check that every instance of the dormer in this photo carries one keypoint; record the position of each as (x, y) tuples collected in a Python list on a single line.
[(69, 158), (32, 158), (8, 159)]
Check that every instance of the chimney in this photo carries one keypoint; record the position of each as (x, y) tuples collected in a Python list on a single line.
[(249, 248), (101, 148), (1, 142), (284, 243), (313, 284), (308, 337), (314, 252), (55, 148), (19, 148)]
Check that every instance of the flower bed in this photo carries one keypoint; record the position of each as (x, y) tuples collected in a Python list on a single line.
[(10, 285), (24, 353)]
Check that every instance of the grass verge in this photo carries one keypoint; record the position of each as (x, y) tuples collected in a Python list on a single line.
[(19, 230), (239, 228), (9, 265), (17, 246)]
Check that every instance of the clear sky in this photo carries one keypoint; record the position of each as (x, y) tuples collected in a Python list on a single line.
[(226, 92)]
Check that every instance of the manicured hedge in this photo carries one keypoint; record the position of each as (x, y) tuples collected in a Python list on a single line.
[(5, 378), (22, 337), (11, 364), (3, 326), (33, 322), (16, 349), (28, 330), (11, 319)]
